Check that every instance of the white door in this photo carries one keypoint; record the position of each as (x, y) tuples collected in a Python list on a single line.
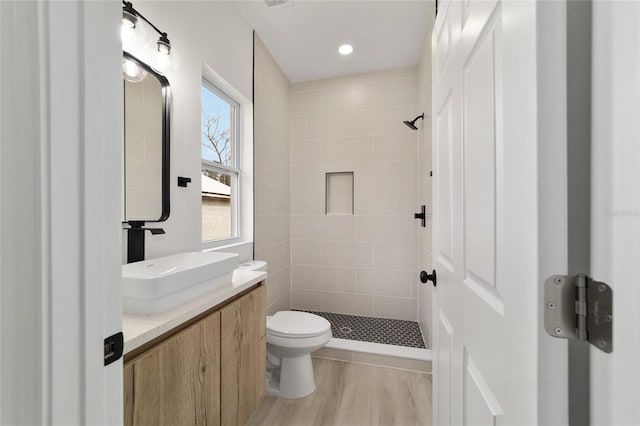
[(493, 132), (615, 211), (60, 246)]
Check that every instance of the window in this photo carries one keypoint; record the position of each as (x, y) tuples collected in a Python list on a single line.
[(220, 145)]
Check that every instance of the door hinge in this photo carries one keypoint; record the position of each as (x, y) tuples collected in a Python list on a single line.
[(577, 307)]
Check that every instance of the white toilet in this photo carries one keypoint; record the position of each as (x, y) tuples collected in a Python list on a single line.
[(291, 337)]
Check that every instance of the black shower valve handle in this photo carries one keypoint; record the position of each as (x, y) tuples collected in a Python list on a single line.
[(425, 277)]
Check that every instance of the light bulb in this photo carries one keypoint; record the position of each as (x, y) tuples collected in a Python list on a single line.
[(129, 20), (132, 72), (345, 49), (126, 35), (164, 49), (134, 39), (163, 62)]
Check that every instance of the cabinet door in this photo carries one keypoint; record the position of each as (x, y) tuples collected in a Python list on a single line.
[(243, 352), (178, 381)]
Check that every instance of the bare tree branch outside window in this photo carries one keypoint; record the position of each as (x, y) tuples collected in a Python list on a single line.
[(216, 139)]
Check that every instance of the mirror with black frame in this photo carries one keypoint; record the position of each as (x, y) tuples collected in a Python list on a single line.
[(146, 143)]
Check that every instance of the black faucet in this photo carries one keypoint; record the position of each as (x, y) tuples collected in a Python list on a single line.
[(135, 240)]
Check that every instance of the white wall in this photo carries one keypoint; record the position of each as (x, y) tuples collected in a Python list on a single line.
[(272, 177), (213, 36), (425, 181), (365, 263)]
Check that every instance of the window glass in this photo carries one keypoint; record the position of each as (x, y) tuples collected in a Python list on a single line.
[(220, 171), (216, 205), (218, 128)]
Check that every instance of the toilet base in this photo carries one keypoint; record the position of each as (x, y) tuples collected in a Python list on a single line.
[(294, 378)]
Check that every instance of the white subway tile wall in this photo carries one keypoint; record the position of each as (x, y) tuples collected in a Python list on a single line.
[(272, 157), (365, 263), (355, 304), (307, 300), (376, 282)]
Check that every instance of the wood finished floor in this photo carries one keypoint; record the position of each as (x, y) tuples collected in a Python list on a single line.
[(349, 394)]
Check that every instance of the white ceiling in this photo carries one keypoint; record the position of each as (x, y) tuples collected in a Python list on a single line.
[(304, 37)]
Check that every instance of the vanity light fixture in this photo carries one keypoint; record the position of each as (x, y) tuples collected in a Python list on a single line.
[(345, 49), (129, 20)]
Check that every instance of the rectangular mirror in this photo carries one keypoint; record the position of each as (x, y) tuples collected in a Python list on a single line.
[(146, 142)]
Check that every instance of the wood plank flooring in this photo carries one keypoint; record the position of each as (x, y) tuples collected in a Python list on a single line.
[(349, 394)]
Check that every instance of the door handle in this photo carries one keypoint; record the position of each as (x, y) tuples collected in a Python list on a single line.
[(425, 277)]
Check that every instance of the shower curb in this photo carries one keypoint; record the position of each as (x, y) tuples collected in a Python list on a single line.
[(380, 354)]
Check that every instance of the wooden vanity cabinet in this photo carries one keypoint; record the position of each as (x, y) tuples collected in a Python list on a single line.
[(178, 381), (244, 357)]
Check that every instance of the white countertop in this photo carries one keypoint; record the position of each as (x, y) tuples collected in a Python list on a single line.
[(140, 329)]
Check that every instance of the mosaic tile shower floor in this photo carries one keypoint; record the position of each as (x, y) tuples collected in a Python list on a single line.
[(375, 330)]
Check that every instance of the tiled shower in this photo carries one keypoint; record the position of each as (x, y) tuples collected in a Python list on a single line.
[(362, 261), (336, 192)]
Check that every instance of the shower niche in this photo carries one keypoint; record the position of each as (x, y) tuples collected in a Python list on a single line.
[(339, 193)]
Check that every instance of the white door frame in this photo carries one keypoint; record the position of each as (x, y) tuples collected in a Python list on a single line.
[(60, 157), (615, 207), (553, 213)]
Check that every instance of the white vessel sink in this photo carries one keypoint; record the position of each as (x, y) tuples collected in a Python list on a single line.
[(157, 285)]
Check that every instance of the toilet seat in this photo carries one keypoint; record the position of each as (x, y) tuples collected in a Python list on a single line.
[(297, 325)]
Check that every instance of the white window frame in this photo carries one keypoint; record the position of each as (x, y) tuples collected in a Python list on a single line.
[(234, 171)]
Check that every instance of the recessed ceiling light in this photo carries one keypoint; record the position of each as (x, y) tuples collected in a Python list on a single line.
[(345, 49)]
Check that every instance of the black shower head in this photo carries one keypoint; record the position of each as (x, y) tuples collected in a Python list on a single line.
[(412, 124)]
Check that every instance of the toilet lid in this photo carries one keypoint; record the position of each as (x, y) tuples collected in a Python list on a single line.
[(295, 324)]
